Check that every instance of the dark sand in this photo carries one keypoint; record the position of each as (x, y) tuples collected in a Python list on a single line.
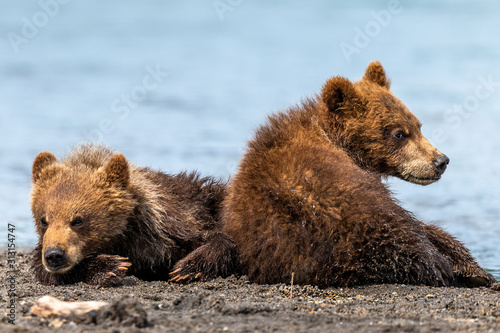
[(235, 305)]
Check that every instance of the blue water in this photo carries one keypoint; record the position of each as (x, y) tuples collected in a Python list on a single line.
[(66, 72)]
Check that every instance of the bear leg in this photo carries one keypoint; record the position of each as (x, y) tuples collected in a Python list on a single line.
[(466, 270), (217, 257)]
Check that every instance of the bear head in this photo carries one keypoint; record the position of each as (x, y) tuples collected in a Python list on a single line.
[(377, 130), (78, 209)]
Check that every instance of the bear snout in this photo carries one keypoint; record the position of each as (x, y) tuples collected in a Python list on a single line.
[(441, 162), (55, 258)]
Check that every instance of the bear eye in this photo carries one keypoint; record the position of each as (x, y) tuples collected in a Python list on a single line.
[(43, 222), (78, 221), (399, 135)]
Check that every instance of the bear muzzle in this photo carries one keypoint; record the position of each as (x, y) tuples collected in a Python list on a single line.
[(424, 173), (55, 259), (441, 162)]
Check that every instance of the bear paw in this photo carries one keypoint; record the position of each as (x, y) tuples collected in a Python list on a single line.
[(217, 257), (185, 271), (107, 270), (474, 276), (201, 264)]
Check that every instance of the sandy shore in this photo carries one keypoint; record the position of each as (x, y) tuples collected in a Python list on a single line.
[(235, 305)]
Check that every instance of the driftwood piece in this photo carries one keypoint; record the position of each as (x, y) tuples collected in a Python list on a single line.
[(51, 307)]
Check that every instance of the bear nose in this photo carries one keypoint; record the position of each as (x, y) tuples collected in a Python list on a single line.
[(441, 162), (55, 256)]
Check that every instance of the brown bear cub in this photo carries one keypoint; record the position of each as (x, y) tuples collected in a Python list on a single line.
[(98, 216), (308, 198)]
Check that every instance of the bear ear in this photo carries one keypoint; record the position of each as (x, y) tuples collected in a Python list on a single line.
[(340, 94), (375, 73), (42, 161), (116, 170)]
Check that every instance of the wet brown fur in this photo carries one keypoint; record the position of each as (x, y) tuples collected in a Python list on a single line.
[(308, 197), (153, 219)]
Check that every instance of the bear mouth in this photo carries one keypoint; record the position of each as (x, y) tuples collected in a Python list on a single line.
[(421, 180), (57, 269)]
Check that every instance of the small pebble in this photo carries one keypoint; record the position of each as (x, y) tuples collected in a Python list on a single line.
[(430, 296)]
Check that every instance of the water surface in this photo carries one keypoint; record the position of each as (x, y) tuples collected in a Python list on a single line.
[(222, 73)]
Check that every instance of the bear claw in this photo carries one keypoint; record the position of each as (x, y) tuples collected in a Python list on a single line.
[(107, 270), (178, 277)]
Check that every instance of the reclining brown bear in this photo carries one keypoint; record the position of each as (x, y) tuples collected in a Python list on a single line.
[(98, 216), (308, 198)]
